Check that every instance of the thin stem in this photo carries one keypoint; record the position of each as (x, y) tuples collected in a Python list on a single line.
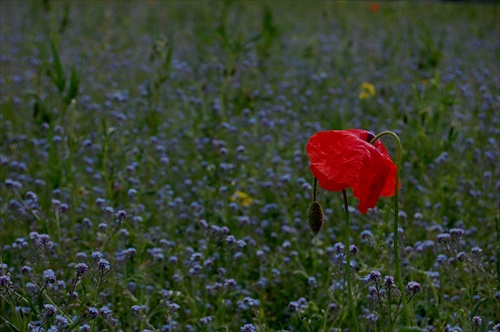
[(12, 326), (70, 295), (497, 226), (106, 241), (389, 306), (13, 306), (348, 263), (315, 190), (407, 316)]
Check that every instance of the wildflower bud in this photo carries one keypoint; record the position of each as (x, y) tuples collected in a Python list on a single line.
[(121, 215), (56, 203), (241, 244), (103, 265), (174, 307), (413, 287), (456, 233), (81, 268), (132, 193), (443, 238), (26, 269), (476, 251), (96, 255), (477, 321), (5, 281), (49, 276), (375, 276), (87, 223), (230, 283), (205, 320), (135, 309), (63, 208), (312, 282), (366, 236), (61, 322), (73, 295), (372, 318), (293, 306), (339, 248), (109, 212), (44, 239), (389, 281), (230, 239), (93, 313), (315, 217), (85, 328), (49, 310), (252, 303), (248, 328)]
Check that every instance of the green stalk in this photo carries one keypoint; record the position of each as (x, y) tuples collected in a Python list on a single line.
[(497, 226), (348, 263), (407, 316), (315, 190)]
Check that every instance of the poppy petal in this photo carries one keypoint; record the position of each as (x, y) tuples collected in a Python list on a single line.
[(372, 181), (336, 158)]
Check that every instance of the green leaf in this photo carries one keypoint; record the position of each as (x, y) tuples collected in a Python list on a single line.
[(73, 86), (476, 307), (40, 111), (65, 19), (168, 56), (36, 110), (57, 73)]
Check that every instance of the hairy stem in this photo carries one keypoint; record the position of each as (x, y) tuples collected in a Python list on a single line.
[(315, 189), (407, 317)]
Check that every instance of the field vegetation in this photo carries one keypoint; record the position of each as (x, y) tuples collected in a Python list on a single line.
[(153, 172)]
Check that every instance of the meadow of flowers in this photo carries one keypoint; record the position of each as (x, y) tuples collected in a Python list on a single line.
[(154, 174)]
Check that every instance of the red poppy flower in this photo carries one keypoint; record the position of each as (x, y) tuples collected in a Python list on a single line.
[(345, 158), (374, 6)]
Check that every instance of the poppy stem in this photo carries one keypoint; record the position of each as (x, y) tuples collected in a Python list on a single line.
[(315, 190), (348, 262), (407, 316)]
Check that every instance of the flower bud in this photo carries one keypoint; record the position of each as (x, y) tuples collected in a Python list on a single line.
[(315, 217)]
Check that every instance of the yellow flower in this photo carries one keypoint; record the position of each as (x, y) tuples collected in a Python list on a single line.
[(241, 197), (367, 90)]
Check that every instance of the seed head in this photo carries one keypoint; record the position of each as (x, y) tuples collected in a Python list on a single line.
[(315, 217)]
